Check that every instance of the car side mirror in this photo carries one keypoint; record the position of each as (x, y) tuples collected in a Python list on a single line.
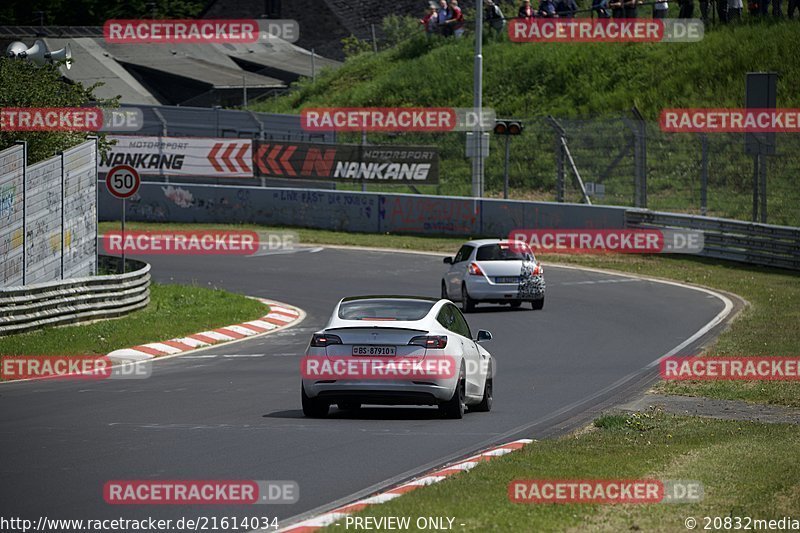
[(483, 335), (448, 260)]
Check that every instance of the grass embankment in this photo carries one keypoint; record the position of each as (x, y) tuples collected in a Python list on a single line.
[(603, 81), (174, 311), (746, 468)]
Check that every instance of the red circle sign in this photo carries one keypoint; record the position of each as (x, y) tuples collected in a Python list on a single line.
[(123, 181)]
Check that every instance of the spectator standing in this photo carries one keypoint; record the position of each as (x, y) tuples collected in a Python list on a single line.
[(617, 10), (456, 20), (631, 9), (793, 4), (430, 20), (525, 10), (764, 7), (687, 8), (660, 10), (566, 8), (601, 8), (735, 10), (493, 15), (547, 9), (442, 16)]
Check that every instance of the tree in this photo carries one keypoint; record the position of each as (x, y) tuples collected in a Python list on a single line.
[(24, 84)]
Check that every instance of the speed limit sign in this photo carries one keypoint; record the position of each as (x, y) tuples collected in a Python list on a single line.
[(123, 181)]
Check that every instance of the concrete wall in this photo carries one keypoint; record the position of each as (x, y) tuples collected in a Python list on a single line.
[(352, 211)]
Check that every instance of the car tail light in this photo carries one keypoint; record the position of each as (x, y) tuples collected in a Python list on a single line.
[(431, 342), (475, 270), (320, 340), (537, 270)]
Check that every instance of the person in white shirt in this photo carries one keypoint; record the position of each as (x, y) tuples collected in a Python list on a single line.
[(660, 10), (735, 10)]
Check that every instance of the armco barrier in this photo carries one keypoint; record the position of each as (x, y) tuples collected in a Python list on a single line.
[(76, 300), (747, 242), (351, 211), (759, 244)]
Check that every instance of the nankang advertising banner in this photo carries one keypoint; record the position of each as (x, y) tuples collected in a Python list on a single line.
[(347, 162), (181, 156)]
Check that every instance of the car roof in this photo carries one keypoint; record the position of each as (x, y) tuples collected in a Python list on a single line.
[(389, 297), (481, 242)]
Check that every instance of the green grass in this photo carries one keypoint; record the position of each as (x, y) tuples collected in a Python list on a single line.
[(601, 81), (174, 311), (747, 469), (767, 327)]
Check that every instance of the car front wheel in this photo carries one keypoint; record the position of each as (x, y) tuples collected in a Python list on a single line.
[(455, 406), (486, 402)]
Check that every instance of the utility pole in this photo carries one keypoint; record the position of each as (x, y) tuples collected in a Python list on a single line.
[(477, 104)]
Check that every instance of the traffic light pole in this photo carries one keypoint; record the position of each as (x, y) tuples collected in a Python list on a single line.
[(505, 172)]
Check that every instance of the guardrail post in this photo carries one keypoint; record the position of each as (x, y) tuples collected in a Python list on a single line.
[(63, 193)]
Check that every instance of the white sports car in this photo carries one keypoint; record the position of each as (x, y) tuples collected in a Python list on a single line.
[(494, 271), (376, 332)]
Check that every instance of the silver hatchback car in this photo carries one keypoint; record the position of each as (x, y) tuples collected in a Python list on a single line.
[(494, 271)]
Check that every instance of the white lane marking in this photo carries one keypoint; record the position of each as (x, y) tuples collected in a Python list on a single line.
[(282, 318), (215, 335), (241, 330), (194, 343), (166, 348), (283, 310), (198, 356), (244, 355), (261, 324), (597, 281)]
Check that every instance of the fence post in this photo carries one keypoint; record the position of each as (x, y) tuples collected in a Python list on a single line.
[(560, 171), (63, 193), (763, 192), (639, 159), (704, 175)]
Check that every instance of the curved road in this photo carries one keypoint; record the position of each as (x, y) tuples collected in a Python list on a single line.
[(234, 413)]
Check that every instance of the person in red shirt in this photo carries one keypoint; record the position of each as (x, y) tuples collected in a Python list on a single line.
[(456, 21), (430, 20)]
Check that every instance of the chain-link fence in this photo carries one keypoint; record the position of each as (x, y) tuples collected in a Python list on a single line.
[(621, 161)]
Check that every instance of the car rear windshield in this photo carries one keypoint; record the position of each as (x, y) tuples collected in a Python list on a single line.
[(503, 252), (384, 309)]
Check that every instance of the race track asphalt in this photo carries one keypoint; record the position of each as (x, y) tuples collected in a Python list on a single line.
[(233, 411)]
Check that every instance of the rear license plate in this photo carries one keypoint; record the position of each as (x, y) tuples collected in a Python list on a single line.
[(507, 279), (374, 350)]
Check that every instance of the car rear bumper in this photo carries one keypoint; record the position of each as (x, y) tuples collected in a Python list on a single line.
[(480, 288), (382, 392)]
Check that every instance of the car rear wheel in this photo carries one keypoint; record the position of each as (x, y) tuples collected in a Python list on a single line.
[(486, 403), (467, 303), (314, 407), (455, 406), (537, 304)]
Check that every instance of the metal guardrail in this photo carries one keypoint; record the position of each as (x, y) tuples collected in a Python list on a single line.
[(747, 242), (76, 300)]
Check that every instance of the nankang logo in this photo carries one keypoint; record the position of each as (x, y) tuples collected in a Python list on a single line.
[(382, 171)]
